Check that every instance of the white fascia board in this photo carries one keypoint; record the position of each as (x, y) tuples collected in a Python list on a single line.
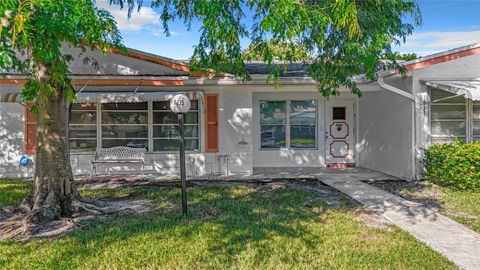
[(111, 77), (121, 77), (262, 79), (435, 55)]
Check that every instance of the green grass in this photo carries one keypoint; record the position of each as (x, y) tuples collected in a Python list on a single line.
[(458, 203), (227, 228), (13, 191)]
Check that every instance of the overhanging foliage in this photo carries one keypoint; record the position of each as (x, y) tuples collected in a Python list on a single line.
[(344, 37)]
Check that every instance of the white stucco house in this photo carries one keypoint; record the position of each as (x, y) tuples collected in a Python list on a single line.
[(235, 126)]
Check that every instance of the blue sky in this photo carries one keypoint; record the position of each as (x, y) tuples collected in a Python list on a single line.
[(447, 24)]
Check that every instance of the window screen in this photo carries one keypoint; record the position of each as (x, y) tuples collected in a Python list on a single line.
[(125, 124), (83, 126), (302, 124), (165, 127), (448, 117), (273, 124)]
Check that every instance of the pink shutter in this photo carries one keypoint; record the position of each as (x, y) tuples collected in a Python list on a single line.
[(30, 135), (211, 123)]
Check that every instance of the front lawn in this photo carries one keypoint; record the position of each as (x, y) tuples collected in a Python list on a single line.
[(462, 206), (229, 227), (13, 191)]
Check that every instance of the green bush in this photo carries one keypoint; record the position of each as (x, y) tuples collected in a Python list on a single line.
[(454, 164)]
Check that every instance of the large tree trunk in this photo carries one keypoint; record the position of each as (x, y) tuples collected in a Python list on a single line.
[(53, 194)]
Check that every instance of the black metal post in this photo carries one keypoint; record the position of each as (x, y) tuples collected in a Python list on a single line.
[(183, 174)]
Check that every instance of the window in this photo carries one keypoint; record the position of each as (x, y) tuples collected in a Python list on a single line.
[(125, 124), (339, 113), (476, 121), (449, 117), (83, 126), (290, 124), (150, 125), (165, 127), (273, 124), (302, 124)]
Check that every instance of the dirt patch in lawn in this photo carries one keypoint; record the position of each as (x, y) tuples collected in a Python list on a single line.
[(419, 191), (423, 192), (12, 223)]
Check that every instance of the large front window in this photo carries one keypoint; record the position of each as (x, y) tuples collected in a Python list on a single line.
[(150, 125), (290, 124), (125, 124), (453, 117)]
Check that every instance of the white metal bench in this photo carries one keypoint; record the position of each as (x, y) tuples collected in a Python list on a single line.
[(118, 154)]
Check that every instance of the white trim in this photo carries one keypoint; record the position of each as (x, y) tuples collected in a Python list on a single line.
[(440, 54)]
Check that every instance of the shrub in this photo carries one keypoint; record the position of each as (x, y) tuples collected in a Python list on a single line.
[(454, 164)]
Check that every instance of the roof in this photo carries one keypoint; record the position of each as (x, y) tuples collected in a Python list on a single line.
[(93, 63), (296, 69), (136, 63)]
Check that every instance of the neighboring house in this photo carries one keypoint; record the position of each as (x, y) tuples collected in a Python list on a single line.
[(236, 126)]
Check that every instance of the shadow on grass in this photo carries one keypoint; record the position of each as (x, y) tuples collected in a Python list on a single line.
[(13, 191), (419, 192), (222, 221), (226, 227), (225, 219)]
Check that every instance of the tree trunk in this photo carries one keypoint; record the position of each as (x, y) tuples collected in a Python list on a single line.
[(53, 194)]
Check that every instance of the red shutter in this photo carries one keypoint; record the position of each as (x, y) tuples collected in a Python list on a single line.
[(30, 135), (211, 123)]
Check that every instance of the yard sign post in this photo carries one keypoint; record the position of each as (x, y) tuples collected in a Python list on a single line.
[(180, 104)]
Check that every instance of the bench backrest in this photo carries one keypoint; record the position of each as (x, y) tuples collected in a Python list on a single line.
[(120, 153)]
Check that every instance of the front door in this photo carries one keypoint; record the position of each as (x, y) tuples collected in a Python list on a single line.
[(340, 142)]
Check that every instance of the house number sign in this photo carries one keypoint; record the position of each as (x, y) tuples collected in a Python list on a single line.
[(180, 104)]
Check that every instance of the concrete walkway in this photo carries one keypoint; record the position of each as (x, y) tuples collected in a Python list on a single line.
[(455, 241)]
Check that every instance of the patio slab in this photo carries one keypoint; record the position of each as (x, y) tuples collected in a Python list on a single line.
[(455, 241)]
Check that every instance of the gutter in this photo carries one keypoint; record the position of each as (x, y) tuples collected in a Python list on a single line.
[(411, 97), (391, 88)]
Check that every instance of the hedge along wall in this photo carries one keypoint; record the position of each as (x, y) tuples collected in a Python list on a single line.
[(455, 164)]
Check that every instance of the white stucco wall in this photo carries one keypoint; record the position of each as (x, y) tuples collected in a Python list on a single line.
[(235, 137), (239, 136), (467, 68), (385, 133), (11, 138)]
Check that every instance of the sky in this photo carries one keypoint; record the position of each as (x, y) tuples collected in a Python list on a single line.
[(447, 24)]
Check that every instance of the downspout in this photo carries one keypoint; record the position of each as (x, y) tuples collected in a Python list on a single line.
[(412, 98)]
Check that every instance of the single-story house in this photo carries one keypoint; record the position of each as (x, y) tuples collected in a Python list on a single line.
[(236, 126)]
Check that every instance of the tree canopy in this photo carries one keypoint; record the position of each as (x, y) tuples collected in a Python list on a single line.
[(33, 32), (344, 37), (401, 56), (281, 51)]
